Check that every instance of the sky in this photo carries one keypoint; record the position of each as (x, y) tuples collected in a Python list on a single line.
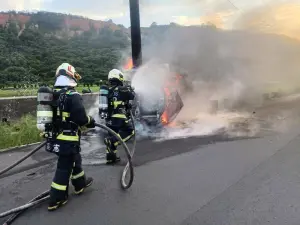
[(222, 13)]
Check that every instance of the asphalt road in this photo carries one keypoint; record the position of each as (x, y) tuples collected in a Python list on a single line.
[(199, 180)]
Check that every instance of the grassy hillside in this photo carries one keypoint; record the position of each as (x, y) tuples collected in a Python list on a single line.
[(30, 52)]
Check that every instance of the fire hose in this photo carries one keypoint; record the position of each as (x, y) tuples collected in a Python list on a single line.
[(129, 163), (45, 195), (22, 159)]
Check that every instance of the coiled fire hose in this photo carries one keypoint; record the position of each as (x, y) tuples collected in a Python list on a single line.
[(45, 195), (129, 163), (128, 154)]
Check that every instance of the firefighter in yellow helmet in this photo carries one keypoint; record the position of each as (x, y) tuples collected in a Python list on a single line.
[(71, 115)]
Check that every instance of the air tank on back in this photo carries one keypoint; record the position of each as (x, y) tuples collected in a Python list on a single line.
[(103, 101), (44, 108)]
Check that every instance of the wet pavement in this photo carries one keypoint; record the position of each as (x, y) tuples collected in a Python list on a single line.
[(191, 181), (217, 178)]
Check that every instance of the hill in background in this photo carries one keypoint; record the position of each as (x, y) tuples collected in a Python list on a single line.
[(32, 45), (54, 22)]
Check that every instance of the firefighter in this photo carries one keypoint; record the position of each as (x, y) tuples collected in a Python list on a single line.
[(119, 97), (66, 145)]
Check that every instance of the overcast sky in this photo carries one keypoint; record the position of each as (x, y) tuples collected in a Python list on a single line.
[(185, 12)]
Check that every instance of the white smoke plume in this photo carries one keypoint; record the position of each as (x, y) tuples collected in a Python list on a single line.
[(235, 67)]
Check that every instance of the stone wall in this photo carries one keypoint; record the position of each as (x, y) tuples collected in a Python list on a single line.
[(14, 108)]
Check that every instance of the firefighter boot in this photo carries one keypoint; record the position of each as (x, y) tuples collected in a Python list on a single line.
[(55, 204), (88, 182), (112, 158), (111, 155)]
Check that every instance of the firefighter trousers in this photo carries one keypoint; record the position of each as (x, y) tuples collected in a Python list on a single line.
[(122, 127), (68, 166)]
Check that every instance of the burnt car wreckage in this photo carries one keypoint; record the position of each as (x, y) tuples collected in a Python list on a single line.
[(160, 105), (156, 105)]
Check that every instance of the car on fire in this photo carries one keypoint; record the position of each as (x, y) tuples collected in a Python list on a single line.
[(157, 103)]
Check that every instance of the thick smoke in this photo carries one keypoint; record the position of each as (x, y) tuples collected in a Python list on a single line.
[(223, 59), (148, 83), (235, 67)]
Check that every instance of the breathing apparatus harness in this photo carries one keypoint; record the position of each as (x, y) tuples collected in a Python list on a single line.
[(52, 119), (106, 100)]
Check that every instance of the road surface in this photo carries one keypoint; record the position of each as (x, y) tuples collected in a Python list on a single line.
[(198, 180)]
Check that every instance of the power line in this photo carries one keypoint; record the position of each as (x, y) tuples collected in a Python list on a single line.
[(233, 4)]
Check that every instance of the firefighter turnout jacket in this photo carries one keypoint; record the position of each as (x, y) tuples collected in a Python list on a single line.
[(71, 115), (118, 101)]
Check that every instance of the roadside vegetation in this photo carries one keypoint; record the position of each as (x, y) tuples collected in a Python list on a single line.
[(21, 132), (33, 91)]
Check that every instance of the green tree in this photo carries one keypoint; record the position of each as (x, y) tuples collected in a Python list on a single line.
[(34, 56)]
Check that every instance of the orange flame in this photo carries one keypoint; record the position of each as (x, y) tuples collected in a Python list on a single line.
[(129, 65), (164, 118)]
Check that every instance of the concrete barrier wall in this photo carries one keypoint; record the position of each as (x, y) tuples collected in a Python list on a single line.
[(14, 108)]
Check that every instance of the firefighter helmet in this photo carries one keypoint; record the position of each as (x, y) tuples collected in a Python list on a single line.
[(67, 70), (115, 75)]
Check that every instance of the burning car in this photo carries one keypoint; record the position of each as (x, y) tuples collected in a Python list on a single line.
[(157, 101)]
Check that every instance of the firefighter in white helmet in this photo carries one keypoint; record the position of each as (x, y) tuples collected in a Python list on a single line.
[(70, 117)]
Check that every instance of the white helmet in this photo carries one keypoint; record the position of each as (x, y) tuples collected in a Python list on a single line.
[(115, 75), (68, 70)]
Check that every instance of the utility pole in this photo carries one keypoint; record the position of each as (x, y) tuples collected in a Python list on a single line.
[(136, 42)]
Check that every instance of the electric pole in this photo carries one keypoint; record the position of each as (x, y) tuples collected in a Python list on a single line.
[(136, 42)]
